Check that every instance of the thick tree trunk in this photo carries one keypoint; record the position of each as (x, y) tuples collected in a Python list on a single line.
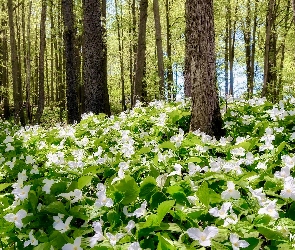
[(159, 45), (140, 55), (41, 100), (96, 91), (200, 53), (16, 74), (71, 68)]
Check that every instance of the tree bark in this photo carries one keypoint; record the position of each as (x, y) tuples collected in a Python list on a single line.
[(159, 45), (293, 7), (200, 54), (71, 68), (41, 100), (96, 91), (170, 82), (133, 49), (140, 55), (16, 74)]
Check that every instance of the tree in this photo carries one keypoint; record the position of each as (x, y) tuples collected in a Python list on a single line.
[(16, 74), (71, 69), (200, 67), (41, 100), (140, 55), (96, 91), (293, 7)]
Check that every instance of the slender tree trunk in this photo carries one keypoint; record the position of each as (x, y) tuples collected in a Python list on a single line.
[(28, 66), (170, 83), (133, 52), (96, 91), (160, 58), (71, 69), (200, 48), (105, 47), (140, 55), (121, 52), (52, 70), (270, 52), (293, 7), (41, 100), (16, 74), (226, 51), (36, 75)]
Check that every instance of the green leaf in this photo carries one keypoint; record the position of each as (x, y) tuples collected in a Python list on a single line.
[(84, 181), (165, 243), (4, 185), (164, 208), (148, 187), (93, 170), (218, 246), (33, 199), (270, 233), (262, 219), (144, 150), (203, 194), (280, 148), (42, 246), (167, 144), (56, 207), (194, 159), (129, 188)]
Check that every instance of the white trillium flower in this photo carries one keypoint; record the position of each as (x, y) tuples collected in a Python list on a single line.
[(114, 238), (161, 179), (283, 174), (134, 246), (75, 246), (130, 226), (63, 226), (289, 188), (270, 209), (138, 212), (203, 237), (73, 196), (48, 183), (236, 243), (103, 200), (177, 171), (16, 218), (222, 212), (193, 169), (32, 240), (97, 226), (230, 192), (21, 193)]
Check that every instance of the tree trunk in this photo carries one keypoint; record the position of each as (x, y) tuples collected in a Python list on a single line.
[(96, 91), (71, 69), (140, 55), (41, 100), (52, 38), (133, 52), (200, 54), (170, 83), (16, 74), (105, 47), (160, 58), (293, 7), (226, 51), (269, 79)]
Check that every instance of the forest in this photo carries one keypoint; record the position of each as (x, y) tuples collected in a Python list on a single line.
[(146, 124)]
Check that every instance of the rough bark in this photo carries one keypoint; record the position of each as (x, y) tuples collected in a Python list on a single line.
[(170, 83), (71, 68), (140, 55), (159, 45), (96, 91), (16, 74), (200, 53), (41, 98)]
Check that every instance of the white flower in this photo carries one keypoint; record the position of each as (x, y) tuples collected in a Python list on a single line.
[(177, 171), (16, 218), (130, 226), (236, 243), (270, 209), (138, 212), (238, 151), (203, 237), (32, 240), (34, 170), (134, 246), (8, 139), (288, 161), (9, 147), (30, 159), (48, 183), (193, 169), (21, 193), (283, 174), (178, 138), (73, 196), (97, 226), (222, 213), (230, 192), (103, 200), (114, 238), (161, 179), (261, 165), (289, 188), (75, 246), (231, 219), (63, 226)]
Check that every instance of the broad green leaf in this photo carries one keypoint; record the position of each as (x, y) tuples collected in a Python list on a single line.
[(280, 148), (218, 246), (203, 194), (167, 144), (165, 243), (269, 233), (148, 187), (56, 207), (33, 199), (84, 181), (194, 159), (164, 208), (4, 185), (129, 188), (144, 150)]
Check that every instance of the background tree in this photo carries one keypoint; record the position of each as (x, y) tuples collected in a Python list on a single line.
[(200, 67)]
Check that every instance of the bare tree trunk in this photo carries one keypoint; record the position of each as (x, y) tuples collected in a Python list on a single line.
[(28, 66), (160, 58), (200, 48), (71, 69), (170, 83), (41, 100), (96, 91), (140, 55), (226, 52), (16, 74), (293, 7), (52, 38), (105, 47), (121, 52), (133, 51)]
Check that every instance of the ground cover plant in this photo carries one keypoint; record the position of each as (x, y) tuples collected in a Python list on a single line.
[(140, 180)]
